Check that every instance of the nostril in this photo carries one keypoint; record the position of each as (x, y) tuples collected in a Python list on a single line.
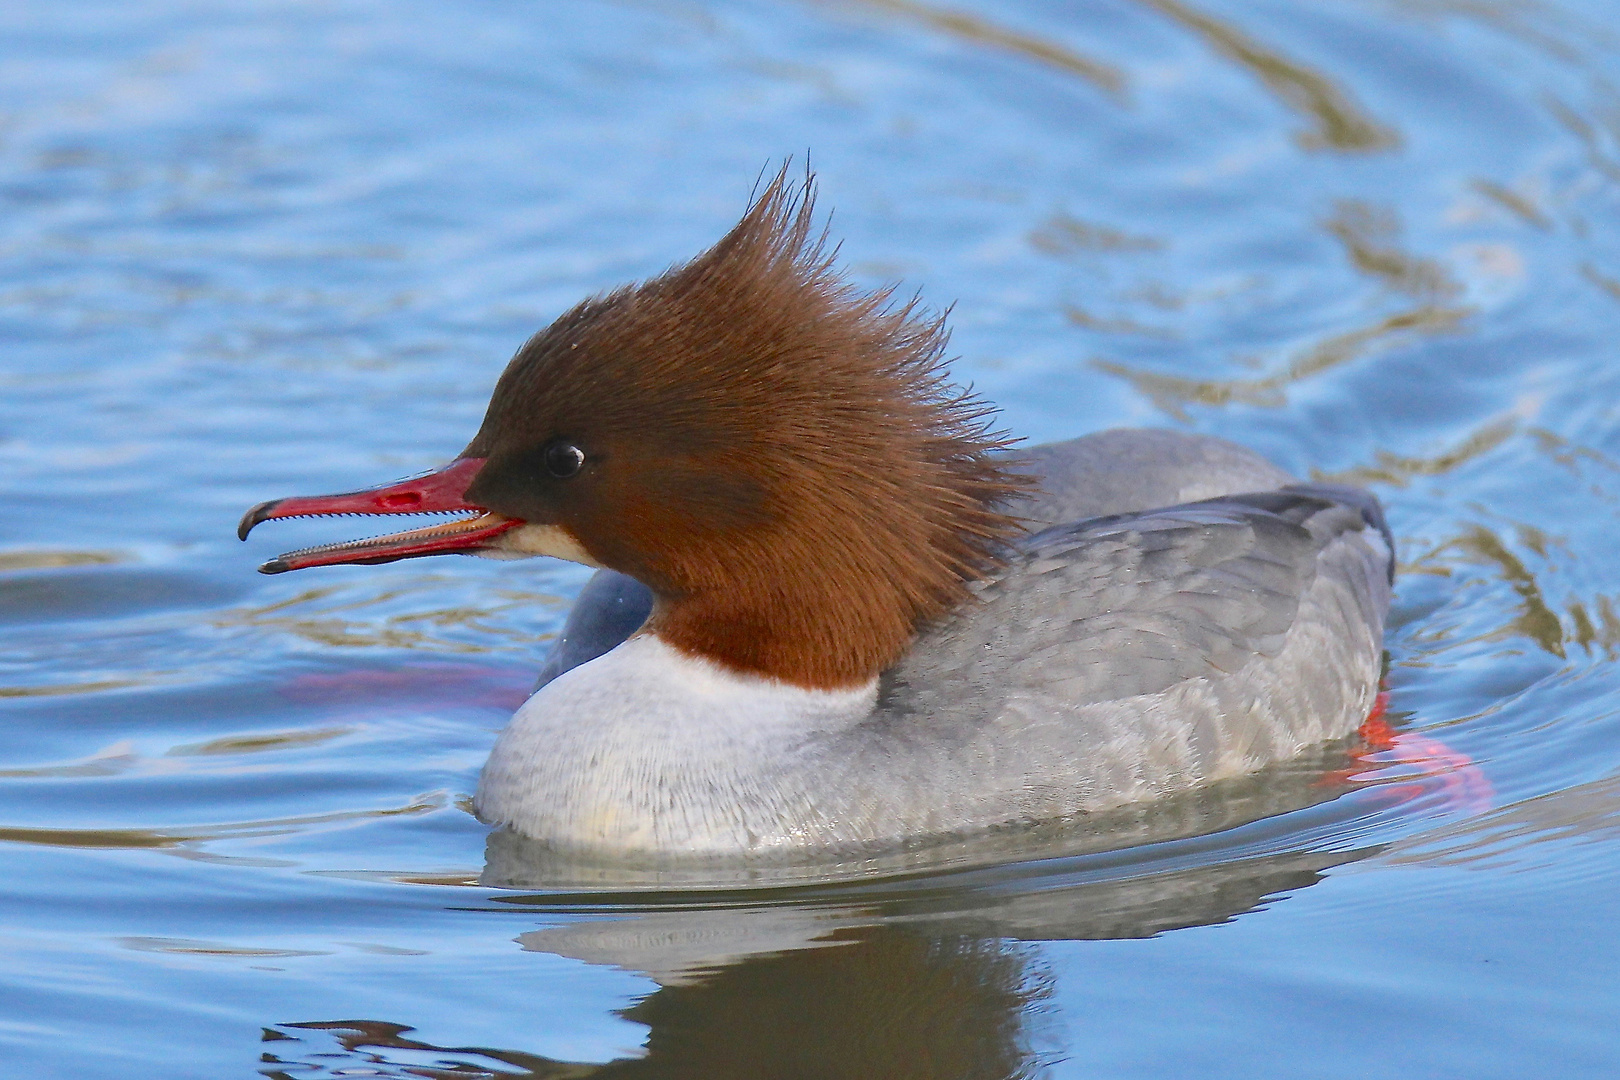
[(401, 500)]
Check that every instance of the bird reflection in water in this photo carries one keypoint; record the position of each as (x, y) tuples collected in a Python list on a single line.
[(922, 975), (931, 999), (876, 1003)]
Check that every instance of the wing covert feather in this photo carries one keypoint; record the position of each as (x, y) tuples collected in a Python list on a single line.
[(1133, 604)]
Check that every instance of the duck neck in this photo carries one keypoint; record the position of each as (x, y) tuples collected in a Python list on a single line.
[(823, 635)]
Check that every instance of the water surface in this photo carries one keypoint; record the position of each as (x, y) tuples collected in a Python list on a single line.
[(249, 250)]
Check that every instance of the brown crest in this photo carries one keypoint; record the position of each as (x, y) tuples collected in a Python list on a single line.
[(779, 456)]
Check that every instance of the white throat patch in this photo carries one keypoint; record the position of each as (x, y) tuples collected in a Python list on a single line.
[(528, 540)]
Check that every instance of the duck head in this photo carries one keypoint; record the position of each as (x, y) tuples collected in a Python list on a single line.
[(780, 457)]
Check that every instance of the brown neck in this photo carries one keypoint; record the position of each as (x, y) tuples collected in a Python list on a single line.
[(822, 634)]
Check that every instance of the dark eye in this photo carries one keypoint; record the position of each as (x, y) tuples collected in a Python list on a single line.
[(564, 459)]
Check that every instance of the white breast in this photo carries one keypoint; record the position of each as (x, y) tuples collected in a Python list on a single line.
[(649, 749)]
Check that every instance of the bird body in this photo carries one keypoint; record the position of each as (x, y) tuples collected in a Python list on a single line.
[(836, 612), (1116, 658)]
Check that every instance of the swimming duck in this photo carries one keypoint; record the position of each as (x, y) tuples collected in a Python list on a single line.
[(837, 611)]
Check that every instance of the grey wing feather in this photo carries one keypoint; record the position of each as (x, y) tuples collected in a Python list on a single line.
[(1124, 657), (1133, 604), (1123, 470)]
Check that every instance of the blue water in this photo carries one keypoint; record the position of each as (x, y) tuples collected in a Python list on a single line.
[(258, 249)]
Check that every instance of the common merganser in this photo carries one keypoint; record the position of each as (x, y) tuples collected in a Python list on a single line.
[(835, 611)]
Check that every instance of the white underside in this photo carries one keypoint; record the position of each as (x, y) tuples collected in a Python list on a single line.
[(649, 749)]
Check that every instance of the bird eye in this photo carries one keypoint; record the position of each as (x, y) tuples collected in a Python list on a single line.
[(564, 459)]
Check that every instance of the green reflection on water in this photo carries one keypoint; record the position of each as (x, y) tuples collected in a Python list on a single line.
[(1591, 624), (1368, 233), (1535, 620), (1173, 393), (1516, 203), (59, 689), (1062, 235), (188, 835), (346, 617), (56, 560), (192, 947), (1338, 121), (253, 744), (1399, 470), (980, 31)]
